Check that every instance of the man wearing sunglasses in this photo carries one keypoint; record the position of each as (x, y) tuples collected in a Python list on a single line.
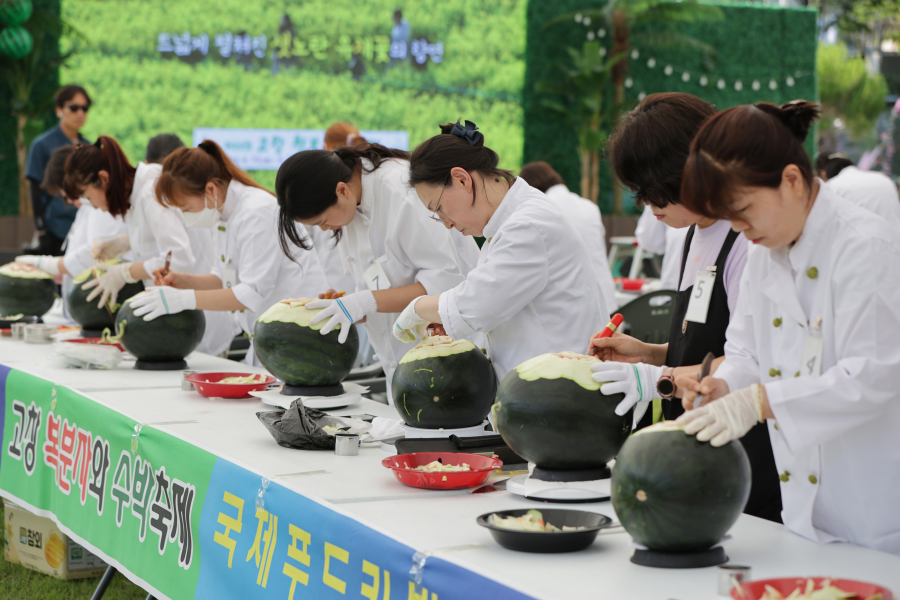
[(52, 215)]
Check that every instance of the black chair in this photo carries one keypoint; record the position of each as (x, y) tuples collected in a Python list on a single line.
[(648, 317)]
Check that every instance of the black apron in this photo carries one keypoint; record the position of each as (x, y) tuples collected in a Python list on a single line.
[(689, 343)]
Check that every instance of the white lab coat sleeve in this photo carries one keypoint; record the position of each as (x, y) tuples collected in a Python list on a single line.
[(168, 230), (866, 377), (741, 366), (421, 250), (515, 272), (650, 232), (260, 258)]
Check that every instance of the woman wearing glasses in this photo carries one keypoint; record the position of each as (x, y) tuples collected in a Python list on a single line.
[(535, 289), (388, 244)]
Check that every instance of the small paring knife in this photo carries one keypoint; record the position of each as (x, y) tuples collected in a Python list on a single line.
[(705, 367)]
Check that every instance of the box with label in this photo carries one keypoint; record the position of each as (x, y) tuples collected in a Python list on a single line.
[(37, 543)]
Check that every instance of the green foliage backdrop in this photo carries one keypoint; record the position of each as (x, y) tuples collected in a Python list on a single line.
[(754, 43)]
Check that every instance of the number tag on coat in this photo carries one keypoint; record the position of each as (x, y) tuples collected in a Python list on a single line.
[(813, 348), (701, 294), (375, 277), (230, 274)]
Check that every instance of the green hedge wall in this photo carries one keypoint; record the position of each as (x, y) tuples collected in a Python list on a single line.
[(754, 42), (9, 173)]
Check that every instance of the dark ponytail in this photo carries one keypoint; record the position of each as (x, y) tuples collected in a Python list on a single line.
[(432, 160), (83, 169), (746, 146), (306, 183)]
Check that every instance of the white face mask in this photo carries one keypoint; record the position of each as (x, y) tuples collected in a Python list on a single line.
[(205, 219)]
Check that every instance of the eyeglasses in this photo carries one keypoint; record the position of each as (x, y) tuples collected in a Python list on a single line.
[(437, 209), (77, 107)]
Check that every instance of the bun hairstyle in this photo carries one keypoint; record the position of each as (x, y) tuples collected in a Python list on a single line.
[(746, 146), (343, 133), (186, 171), (306, 183), (83, 169), (456, 146)]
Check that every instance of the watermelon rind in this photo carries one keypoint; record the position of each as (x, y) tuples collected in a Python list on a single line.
[(26, 290), (86, 313), (444, 383), (164, 339), (551, 412), (674, 493), (296, 352)]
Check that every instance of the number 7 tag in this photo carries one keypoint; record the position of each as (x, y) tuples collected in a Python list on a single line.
[(375, 277), (811, 363), (701, 294)]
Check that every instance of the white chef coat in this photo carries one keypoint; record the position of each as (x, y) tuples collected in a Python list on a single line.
[(585, 217), (392, 226), (91, 225), (247, 242), (834, 436), (154, 230), (869, 189), (657, 237), (534, 290), (330, 259)]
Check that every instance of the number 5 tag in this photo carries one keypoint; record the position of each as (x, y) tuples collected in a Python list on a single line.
[(701, 294), (375, 277), (811, 363)]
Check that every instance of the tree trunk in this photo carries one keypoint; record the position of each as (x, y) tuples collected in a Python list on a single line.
[(585, 156), (22, 158), (595, 177)]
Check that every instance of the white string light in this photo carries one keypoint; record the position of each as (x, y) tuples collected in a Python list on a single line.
[(738, 86), (635, 54), (773, 85), (703, 80), (629, 82), (602, 51), (601, 33), (755, 85), (590, 35), (685, 77), (651, 63), (586, 21), (668, 70), (578, 18), (642, 95), (721, 84)]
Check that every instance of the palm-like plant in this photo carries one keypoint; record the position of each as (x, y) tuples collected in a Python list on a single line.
[(649, 24), (581, 101)]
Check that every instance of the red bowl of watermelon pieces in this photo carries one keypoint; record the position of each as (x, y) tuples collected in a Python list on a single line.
[(783, 587), (95, 341), (211, 385), (409, 469)]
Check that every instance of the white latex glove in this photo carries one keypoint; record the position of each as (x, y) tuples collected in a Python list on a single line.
[(409, 324), (637, 381), (48, 264), (344, 312), (726, 419), (159, 301), (112, 247), (109, 284)]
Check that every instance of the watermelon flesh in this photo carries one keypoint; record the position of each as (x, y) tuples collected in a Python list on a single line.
[(295, 352), (550, 411), (86, 313), (168, 338), (444, 383), (25, 290), (673, 493)]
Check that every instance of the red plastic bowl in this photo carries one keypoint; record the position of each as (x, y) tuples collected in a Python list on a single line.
[(754, 590), (95, 341), (631, 285), (207, 384), (481, 466)]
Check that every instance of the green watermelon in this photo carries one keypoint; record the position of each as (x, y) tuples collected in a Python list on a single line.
[(86, 313), (295, 352), (676, 494), (16, 42), (25, 290), (164, 339), (444, 383), (550, 411), (15, 12)]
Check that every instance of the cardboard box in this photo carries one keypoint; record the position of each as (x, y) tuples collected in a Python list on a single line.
[(37, 543)]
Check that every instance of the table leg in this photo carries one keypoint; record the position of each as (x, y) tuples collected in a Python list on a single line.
[(104, 583)]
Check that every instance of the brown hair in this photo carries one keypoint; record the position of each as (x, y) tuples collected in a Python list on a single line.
[(832, 163), (540, 175), (746, 146), (55, 172), (343, 134), (433, 159), (651, 145), (67, 92), (83, 169), (186, 171)]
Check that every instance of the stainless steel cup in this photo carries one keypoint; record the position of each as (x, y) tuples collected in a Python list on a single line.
[(18, 331), (729, 574), (186, 385), (38, 333), (346, 444)]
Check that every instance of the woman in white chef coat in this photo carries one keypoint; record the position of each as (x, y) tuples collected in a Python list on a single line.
[(812, 348), (388, 245), (212, 193), (101, 173), (535, 289)]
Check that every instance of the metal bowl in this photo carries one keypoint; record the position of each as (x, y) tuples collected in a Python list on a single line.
[(39, 333), (548, 541)]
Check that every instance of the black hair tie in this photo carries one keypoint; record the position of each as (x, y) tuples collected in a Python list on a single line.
[(469, 132)]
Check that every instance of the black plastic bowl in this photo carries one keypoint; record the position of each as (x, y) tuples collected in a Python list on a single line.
[(548, 541)]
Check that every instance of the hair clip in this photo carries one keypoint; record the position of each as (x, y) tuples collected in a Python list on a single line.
[(469, 132)]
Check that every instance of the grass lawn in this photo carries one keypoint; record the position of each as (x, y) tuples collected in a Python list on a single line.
[(19, 583)]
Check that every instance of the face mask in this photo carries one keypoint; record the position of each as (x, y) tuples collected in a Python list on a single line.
[(205, 219)]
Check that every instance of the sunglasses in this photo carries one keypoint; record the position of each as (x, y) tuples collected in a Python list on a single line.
[(77, 107)]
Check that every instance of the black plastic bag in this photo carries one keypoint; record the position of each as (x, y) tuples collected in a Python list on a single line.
[(297, 427)]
